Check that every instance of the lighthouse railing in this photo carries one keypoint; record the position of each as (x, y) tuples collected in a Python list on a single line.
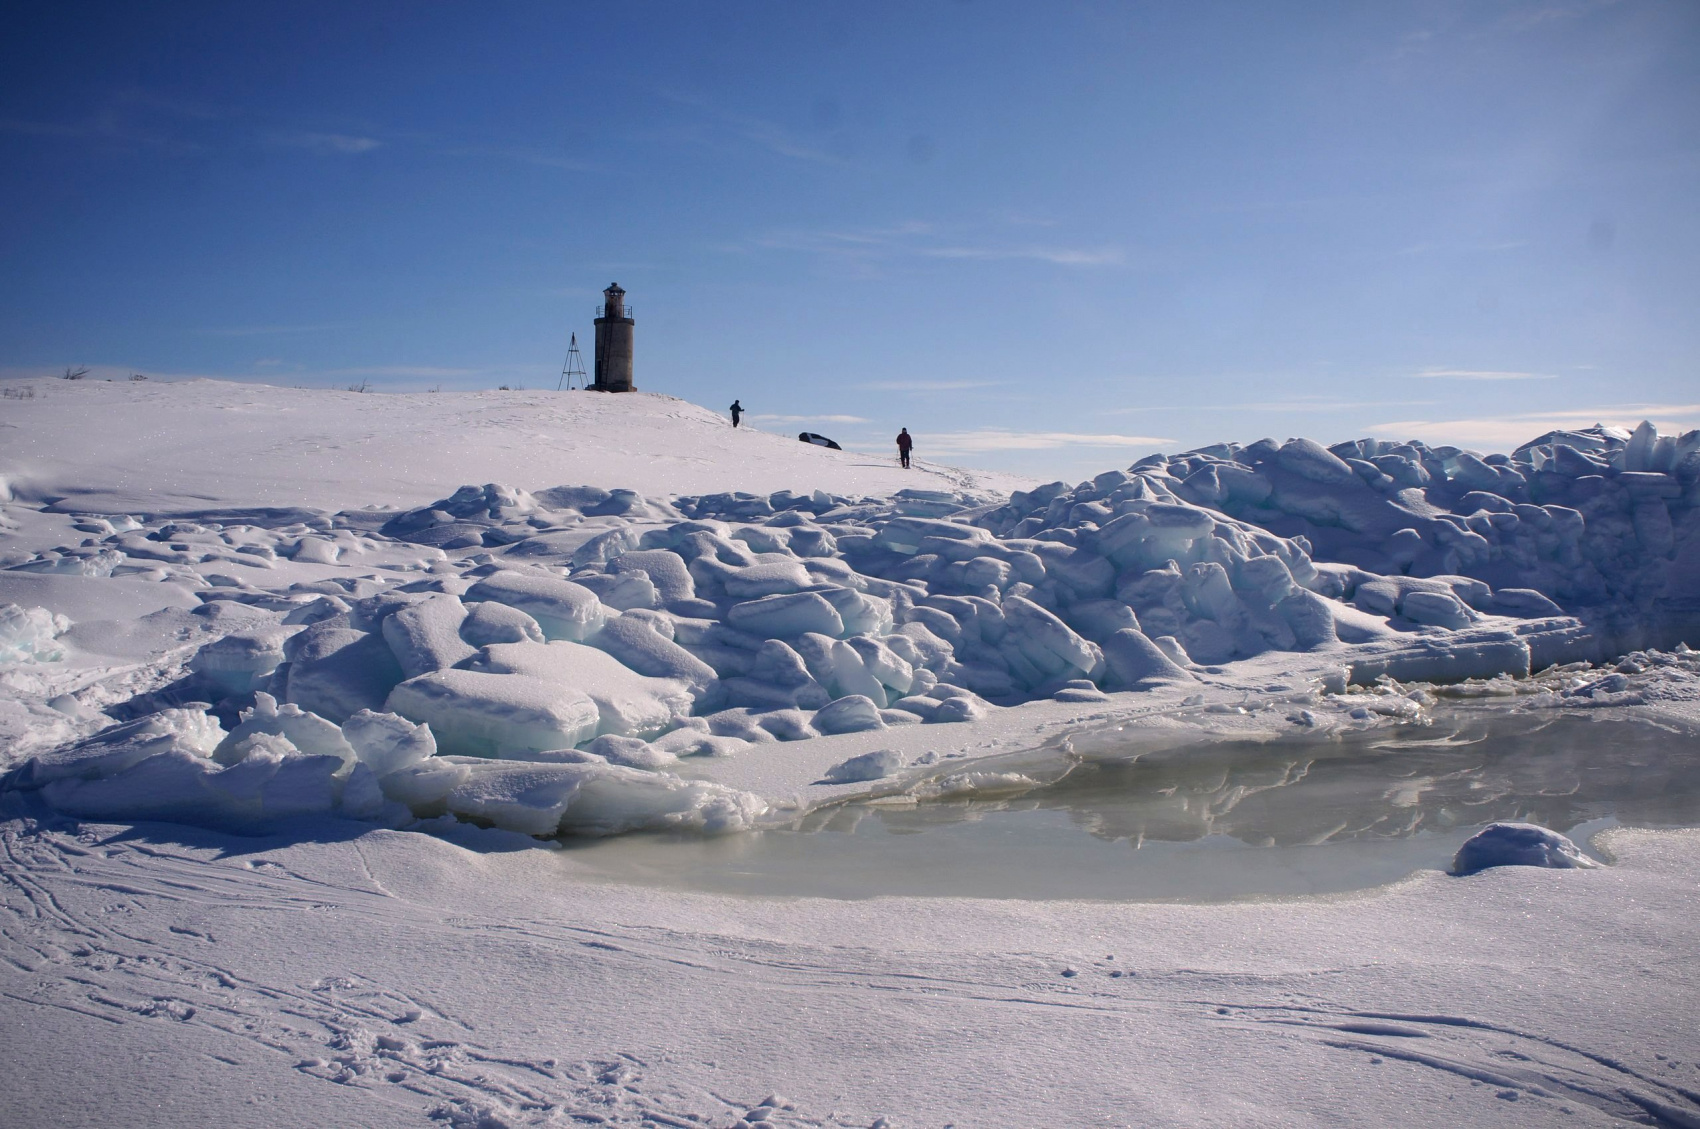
[(625, 311)]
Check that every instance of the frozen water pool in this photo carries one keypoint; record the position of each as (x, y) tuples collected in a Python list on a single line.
[(1114, 819)]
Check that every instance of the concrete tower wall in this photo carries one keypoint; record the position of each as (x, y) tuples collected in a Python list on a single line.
[(614, 354), (614, 332)]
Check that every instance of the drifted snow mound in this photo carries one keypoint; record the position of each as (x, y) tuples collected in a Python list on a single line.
[(563, 610), (179, 765), (583, 626), (1599, 520), (862, 613), (1518, 844), (596, 799), (869, 766), (628, 704), (494, 515), (281, 761), (31, 634), (482, 714)]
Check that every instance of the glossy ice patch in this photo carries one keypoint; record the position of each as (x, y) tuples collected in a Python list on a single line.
[(1113, 819)]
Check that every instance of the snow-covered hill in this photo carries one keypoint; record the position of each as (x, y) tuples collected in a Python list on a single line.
[(159, 449)]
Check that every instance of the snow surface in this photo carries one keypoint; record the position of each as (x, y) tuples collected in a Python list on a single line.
[(369, 654), (119, 447)]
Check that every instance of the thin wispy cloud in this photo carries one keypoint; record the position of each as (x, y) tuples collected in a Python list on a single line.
[(126, 119), (1466, 23), (834, 241), (1507, 431), (1318, 405), (331, 143), (929, 385), (1014, 218), (776, 140), (107, 130), (1462, 248), (762, 418), (1528, 17), (268, 330), (334, 143), (424, 371), (760, 132), (543, 158), (45, 129), (916, 239), (140, 118), (998, 439), (1479, 374), (1062, 256), (465, 377)]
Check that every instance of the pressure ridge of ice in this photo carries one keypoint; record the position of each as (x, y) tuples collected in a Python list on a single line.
[(555, 653)]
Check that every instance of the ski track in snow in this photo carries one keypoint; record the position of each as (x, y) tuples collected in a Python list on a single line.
[(81, 931), (1519, 1065), (68, 939)]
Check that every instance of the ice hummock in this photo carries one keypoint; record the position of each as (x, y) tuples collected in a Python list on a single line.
[(31, 634), (597, 626), (281, 761), (1518, 844)]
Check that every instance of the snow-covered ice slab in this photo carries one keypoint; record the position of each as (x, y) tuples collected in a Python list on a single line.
[(31, 634), (628, 704), (479, 713), (598, 799), (1518, 844)]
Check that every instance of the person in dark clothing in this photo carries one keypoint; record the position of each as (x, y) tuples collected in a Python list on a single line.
[(903, 445), (737, 411)]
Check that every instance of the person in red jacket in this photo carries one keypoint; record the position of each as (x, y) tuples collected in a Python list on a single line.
[(903, 445)]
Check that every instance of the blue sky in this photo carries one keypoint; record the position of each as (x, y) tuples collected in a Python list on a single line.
[(1049, 238)]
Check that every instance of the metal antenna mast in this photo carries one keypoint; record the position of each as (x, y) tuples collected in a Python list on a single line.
[(572, 373)]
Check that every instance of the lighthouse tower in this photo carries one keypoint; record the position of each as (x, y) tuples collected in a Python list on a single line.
[(613, 343)]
